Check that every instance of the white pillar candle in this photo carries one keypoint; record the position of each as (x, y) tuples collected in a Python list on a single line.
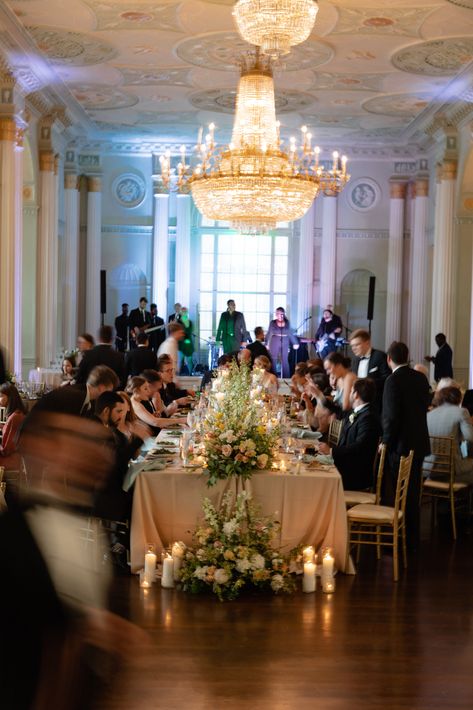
[(167, 579), (308, 554), (150, 566), (309, 580), (177, 553), (327, 565)]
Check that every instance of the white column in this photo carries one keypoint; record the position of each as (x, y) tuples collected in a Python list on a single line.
[(396, 235), (435, 260), (11, 238), (305, 283), (71, 259), (328, 256), (419, 250), (161, 253), (183, 249), (443, 314), (94, 254), (47, 262)]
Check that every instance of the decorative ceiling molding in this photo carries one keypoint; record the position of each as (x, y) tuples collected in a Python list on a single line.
[(406, 105), (441, 57), (406, 21), (96, 97), (347, 82), (223, 100), (136, 16), (164, 76), (71, 48)]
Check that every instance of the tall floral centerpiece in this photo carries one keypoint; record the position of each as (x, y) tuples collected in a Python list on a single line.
[(240, 434)]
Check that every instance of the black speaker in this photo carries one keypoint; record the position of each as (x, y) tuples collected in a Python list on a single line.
[(369, 315), (103, 291)]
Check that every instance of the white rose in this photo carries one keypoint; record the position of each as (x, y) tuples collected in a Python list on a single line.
[(226, 450), (243, 565), (221, 576), (277, 582), (220, 396), (262, 460), (257, 561), (230, 527), (230, 436), (201, 572)]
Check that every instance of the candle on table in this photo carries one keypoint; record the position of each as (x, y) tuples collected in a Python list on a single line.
[(328, 585), (177, 553), (167, 579), (327, 564), (144, 583), (309, 580), (150, 564), (308, 553)]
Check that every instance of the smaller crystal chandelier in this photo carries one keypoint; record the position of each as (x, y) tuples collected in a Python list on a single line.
[(254, 182), (275, 25)]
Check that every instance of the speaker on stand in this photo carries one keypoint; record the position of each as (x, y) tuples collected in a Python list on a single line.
[(103, 295), (370, 312)]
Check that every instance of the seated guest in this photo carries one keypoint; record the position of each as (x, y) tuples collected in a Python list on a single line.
[(317, 400), (244, 357), (170, 346), (102, 354), (223, 363), (298, 380), (155, 404), (127, 422), (9, 457), (449, 419), (79, 400), (338, 366), (169, 391), (269, 380), (85, 342), (355, 454), (139, 392), (68, 371), (257, 347), (141, 358)]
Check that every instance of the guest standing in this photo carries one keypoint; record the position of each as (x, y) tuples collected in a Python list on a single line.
[(257, 347), (369, 362), (231, 329), (141, 358), (443, 358), (85, 342), (186, 345), (102, 354), (278, 338), (171, 344)]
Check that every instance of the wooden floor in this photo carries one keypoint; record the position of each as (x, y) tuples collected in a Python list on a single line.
[(373, 644)]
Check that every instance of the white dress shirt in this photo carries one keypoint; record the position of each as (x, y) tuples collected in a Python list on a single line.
[(363, 365)]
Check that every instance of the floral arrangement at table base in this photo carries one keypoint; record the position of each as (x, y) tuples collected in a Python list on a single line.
[(234, 552), (239, 435)]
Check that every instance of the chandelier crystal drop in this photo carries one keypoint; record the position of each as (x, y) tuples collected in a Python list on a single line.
[(275, 25), (254, 183)]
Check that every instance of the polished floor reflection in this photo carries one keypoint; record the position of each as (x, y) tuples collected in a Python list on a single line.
[(373, 644)]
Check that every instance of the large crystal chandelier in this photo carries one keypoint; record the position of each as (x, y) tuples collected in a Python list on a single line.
[(275, 25), (254, 183)]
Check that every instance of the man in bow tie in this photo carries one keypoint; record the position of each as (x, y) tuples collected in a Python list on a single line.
[(356, 451), (369, 362)]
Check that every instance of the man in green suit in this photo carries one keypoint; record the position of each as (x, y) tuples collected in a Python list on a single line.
[(231, 329)]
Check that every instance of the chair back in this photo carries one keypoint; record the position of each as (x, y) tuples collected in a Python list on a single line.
[(440, 464), (334, 432), (405, 466), (381, 458), (3, 415)]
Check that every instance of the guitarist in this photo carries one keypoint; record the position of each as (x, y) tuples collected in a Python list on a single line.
[(330, 328), (139, 321)]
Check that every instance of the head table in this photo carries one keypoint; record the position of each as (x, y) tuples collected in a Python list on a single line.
[(310, 505)]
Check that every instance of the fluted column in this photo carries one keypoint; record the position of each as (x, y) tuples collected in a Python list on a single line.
[(419, 248), (328, 256), (71, 259), (306, 271), (161, 252), (443, 314), (11, 237), (94, 254), (47, 261), (396, 235), (183, 248)]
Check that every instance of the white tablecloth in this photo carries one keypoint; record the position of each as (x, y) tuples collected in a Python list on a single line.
[(52, 378), (167, 505)]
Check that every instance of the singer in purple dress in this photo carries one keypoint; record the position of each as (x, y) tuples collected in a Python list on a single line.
[(278, 339)]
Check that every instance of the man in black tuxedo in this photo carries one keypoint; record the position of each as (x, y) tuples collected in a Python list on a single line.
[(170, 392), (157, 336), (102, 354), (369, 362), (257, 347), (139, 320), (176, 316), (121, 329), (443, 359), (77, 400), (405, 403), (355, 454), (140, 359)]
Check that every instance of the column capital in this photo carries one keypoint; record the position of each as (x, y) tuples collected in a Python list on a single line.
[(8, 129), (94, 183), (448, 170), (47, 161), (422, 186), (397, 189), (71, 181)]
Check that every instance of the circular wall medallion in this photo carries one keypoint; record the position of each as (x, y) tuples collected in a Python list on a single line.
[(129, 189), (363, 194), (441, 57), (74, 48)]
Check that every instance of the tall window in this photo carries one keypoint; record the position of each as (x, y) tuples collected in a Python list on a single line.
[(253, 270)]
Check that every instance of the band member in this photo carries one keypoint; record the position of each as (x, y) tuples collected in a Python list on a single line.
[(278, 339), (231, 329), (121, 329), (330, 328), (156, 337), (139, 321)]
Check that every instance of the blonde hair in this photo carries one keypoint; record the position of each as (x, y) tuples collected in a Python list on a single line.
[(130, 415)]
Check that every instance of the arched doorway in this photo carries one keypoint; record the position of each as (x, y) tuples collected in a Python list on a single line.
[(354, 301)]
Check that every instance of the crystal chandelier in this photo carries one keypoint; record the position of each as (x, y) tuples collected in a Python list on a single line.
[(254, 183), (275, 25)]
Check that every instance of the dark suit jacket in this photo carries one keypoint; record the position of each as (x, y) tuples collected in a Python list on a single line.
[(171, 392), (405, 402), (64, 400), (157, 336), (140, 359), (443, 362), (355, 454), (378, 370), (121, 332), (101, 355), (258, 348), (136, 319)]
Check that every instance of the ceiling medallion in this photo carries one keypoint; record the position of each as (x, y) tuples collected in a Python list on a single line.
[(275, 25), (255, 182)]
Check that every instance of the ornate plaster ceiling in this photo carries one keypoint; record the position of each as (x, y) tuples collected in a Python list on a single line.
[(160, 68)]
